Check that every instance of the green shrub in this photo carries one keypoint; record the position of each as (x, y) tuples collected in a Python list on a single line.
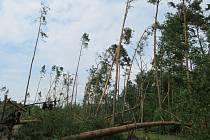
[(58, 123)]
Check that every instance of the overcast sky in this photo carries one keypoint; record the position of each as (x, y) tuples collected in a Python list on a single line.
[(67, 21)]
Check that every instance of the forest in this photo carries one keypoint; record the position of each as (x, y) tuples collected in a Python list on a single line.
[(126, 97)]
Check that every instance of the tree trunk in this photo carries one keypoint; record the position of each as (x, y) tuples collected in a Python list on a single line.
[(75, 100), (186, 47), (127, 110), (168, 93), (199, 40), (67, 90), (114, 130), (129, 70), (75, 78), (117, 61), (37, 90), (142, 96), (106, 86), (142, 102), (32, 60), (155, 56), (124, 84)]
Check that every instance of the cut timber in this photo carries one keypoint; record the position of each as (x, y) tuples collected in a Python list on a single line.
[(114, 130)]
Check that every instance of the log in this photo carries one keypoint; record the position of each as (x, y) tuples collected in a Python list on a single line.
[(114, 130)]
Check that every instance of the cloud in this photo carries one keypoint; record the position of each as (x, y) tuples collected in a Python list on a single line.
[(16, 21), (67, 21)]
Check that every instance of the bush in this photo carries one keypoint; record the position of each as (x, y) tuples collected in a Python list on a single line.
[(58, 123)]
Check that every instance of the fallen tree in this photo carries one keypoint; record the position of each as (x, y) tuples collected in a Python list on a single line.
[(114, 130)]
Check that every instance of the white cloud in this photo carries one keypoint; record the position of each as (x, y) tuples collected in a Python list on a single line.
[(67, 21), (16, 16)]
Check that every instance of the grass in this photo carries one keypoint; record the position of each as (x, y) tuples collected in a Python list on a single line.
[(154, 136), (164, 137)]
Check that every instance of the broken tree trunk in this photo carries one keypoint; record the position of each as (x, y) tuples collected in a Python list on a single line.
[(114, 130)]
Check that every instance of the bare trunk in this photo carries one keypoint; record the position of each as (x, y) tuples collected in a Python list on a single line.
[(118, 88), (123, 109), (32, 60), (155, 56), (141, 117), (168, 93), (127, 110), (106, 86), (75, 101), (142, 96), (186, 47), (67, 90), (142, 111), (141, 102), (129, 70), (67, 97), (75, 78), (115, 92), (37, 90), (172, 98), (117, 61), (48, 94)]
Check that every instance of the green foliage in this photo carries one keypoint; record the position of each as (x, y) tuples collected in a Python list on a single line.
[(189, 108), (58, 123), (171, 50), (208, 35), (127, 35), (177, 102), (132, 94), (153, 1), (85, 40), (98, 75), (201, 104)]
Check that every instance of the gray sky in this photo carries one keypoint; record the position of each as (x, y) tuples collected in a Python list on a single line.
[(67, 21)]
